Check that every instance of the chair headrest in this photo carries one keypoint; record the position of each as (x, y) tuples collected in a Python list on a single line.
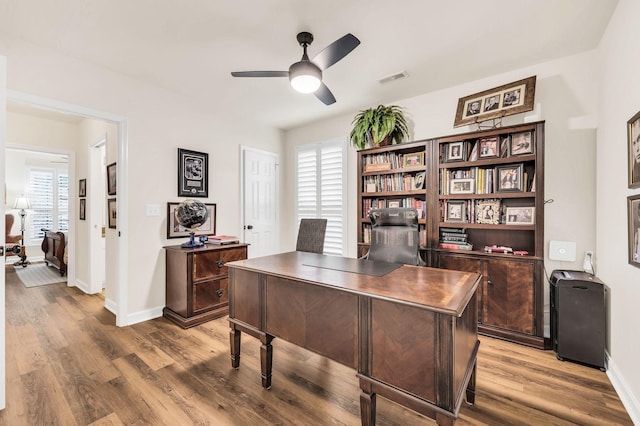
[(394, 217)]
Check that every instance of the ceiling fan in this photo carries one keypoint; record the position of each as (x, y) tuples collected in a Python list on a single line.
[(306, 75)]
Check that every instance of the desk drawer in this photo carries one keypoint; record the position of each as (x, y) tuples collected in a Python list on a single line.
[(212, 263), (210, 294)]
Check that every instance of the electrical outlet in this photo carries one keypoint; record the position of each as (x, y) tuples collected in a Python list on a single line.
[(562, 250)]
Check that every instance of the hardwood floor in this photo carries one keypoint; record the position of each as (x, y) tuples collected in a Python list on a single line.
[(68, 364)]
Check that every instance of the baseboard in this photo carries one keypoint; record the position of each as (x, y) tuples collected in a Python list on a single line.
[(623, 390), (142, 316), (111, 306), (82, 286)]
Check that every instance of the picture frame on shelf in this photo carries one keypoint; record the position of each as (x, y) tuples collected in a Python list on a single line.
[(521, 143), (418, 180), (82, 214), (111, 179), (394, 203), (509, 178), (633, 141), (175, 230), (193, 173), (112, 209), (455, 151), (462, 186), (489, 147), (501, 101), (520, 215), (456, 211), (413, 159), (633, 203), (488, 212), (82, 188)]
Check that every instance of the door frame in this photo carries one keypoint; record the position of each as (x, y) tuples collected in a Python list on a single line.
[(122, 248)]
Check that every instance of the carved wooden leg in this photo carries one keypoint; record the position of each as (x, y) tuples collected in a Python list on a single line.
[(266, 360), (234, 340), (367, 408), (471, 386)]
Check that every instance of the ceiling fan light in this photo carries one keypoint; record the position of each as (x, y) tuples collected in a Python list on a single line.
[(305, 77)]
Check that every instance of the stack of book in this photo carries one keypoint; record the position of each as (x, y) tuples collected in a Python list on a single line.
[(455, 239), (223, 239)]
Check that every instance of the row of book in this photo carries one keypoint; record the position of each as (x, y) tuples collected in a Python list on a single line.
[(454, 239), (381, 203), (478, 180), (390, 160), (393, 182)]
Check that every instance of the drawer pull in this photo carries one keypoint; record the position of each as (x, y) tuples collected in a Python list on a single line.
[(220, 292), (220, 263)]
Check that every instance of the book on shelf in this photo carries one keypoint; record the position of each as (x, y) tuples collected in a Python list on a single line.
[(223, 239), (456, 246)]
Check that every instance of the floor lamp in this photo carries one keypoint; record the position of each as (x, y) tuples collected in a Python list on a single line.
[(22, 203)]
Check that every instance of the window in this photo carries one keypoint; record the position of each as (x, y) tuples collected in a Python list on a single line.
[(320, 189), (49, 195)]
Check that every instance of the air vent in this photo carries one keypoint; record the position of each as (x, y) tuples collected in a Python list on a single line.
[(393, 77)]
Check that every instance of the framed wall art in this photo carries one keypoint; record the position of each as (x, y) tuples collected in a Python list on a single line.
[(83, 209), (633, 203), (520, 215), (175, 230), (509, 99), (193, 173), (111, 212), (82, 188), (633, 140), (111, 179)]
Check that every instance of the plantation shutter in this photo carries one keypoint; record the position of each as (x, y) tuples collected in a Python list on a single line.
[(49, 196), (320, 190)]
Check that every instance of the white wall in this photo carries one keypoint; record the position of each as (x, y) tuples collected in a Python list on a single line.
[(619, 89), (158, 123)]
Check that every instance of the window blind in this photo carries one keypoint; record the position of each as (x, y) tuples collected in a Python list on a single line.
[(49, 195)]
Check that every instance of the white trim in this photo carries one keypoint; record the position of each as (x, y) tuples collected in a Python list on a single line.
[(624, 391), (122, 250)]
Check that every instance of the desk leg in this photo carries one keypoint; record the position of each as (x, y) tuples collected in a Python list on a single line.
[(471, 386), (266, 360), (234, 338), (367, 408)]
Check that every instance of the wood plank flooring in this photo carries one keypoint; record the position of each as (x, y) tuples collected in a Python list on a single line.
[(68, 364)]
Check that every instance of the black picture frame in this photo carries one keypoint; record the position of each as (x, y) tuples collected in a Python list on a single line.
[(175, 230), (111, 179), (509, 178), (455, 151), (83, 209), (633, 141), (112, 209), (193, 173), (456, 211), (633, 215), (82, 188), (488, 147)]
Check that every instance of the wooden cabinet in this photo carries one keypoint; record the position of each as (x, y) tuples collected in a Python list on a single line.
[(475, 190), (197, 282)]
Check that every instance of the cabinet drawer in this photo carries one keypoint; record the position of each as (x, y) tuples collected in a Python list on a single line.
[(209, 294), (212, 263)]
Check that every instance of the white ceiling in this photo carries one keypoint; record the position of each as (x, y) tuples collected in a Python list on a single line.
[(191, 46)]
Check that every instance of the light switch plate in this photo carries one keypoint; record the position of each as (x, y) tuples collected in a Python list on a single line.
[(562, 250)]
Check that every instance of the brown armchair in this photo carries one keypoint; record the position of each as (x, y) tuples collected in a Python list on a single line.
[(15, 245)]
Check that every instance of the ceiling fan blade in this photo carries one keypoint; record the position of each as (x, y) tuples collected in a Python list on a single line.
[(260, 73), (324, 94), (336, 51)]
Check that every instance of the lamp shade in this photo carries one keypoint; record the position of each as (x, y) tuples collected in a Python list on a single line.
[(22, 203), (305, 76)]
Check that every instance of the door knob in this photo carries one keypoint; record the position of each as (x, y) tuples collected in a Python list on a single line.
[(249, 226)]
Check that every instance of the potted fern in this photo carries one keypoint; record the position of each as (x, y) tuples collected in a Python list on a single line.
[(383, 125)]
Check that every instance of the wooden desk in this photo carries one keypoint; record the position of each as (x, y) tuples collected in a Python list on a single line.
[(410, 334)]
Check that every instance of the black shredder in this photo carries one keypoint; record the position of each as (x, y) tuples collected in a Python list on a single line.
[(578, 317)]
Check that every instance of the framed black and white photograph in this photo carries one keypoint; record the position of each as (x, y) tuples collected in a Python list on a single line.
[(82, 188), (111, 179), (633, 138), (83, 209), (521, 143), (455, 151), (193, 173), (488, 212), (175, 230), (489, 147), (456, 211), (501, 101), (462, 186), (418, 180), (633, 203), (509, 178), (112, 212), (413, 159), (520, 215)]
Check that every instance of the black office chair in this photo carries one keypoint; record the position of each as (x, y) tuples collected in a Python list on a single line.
[(395, 236), (311, 235)]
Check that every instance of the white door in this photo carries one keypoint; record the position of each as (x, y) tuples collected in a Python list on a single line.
[(260, 202), (96, 216), (3, 135)]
